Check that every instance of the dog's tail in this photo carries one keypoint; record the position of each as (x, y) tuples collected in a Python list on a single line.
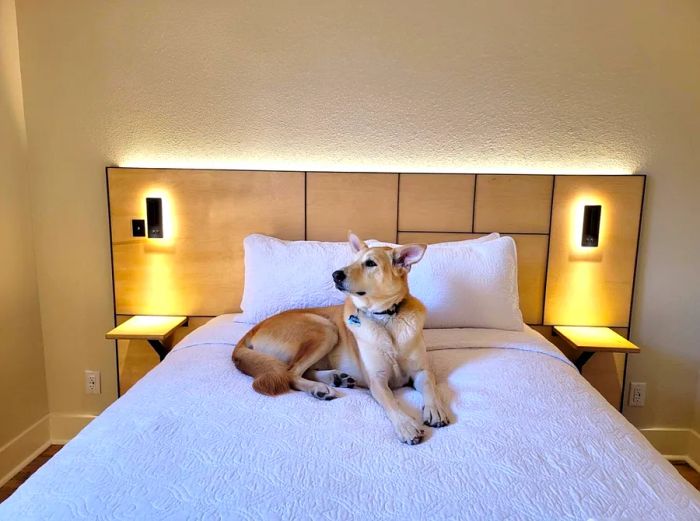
[(271, 375)]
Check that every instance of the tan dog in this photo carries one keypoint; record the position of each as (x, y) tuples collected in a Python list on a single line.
[(374, 340)]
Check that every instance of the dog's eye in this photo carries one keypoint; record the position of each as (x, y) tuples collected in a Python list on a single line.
[(370, 263)]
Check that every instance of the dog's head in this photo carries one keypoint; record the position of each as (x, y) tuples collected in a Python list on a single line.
[(377, 278)]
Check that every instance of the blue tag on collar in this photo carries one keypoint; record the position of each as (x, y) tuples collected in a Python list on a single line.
[(354, 320)]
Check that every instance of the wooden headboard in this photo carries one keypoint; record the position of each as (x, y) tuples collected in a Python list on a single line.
[(197, 268)]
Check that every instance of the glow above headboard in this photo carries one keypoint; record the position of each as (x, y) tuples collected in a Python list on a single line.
[(310, 164)]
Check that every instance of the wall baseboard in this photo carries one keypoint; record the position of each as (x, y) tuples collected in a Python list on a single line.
[(675, 458), (64, 427), (23, 448), (694, 450), (52, 429), (676, 444)]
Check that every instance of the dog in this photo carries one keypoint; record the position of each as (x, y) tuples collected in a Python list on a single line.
[(374, 340)]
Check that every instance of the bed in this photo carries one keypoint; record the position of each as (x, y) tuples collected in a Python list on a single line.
[(532, 440)]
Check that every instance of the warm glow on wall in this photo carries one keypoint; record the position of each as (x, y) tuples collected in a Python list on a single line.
[(161, 292), (592, 286), (584, 261), (575, 226), (310, 164), (169, 224)]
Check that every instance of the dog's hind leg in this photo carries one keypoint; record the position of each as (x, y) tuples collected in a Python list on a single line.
[(318, 390), (310, 352)]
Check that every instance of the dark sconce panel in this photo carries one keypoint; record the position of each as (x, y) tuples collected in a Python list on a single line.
[(154, 216), (591, 225)]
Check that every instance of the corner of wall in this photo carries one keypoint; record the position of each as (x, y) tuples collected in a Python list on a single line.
[(676, 444), (23, 448), (24, 419)]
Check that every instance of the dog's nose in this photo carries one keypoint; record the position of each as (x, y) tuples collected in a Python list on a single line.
[(338, 276)]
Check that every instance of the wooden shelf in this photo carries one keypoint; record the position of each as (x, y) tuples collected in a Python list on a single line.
[(146, 328), (595, 339)]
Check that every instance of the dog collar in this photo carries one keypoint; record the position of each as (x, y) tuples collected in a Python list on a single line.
[(354, 320), (391, 311)]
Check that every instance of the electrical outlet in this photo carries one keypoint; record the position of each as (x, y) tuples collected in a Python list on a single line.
[(638, 394), (92, 382)]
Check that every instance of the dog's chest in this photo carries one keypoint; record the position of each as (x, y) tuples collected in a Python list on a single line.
[(387, 346)]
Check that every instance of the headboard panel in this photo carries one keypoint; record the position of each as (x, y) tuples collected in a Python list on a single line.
[(595, 283), (436, 203), (364, 203), (513, 203), (197, 268)]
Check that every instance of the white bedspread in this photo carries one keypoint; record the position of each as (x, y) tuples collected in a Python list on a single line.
[(532, 440)]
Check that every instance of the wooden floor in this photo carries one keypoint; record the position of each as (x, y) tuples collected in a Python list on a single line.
[(690, 474), (8, 488)]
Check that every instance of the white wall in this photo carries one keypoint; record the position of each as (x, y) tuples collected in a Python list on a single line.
[(23, 400), (507, 86)]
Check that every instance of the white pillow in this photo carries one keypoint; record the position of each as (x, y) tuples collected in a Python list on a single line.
[(463, 283), (282, 275), (469, 284)]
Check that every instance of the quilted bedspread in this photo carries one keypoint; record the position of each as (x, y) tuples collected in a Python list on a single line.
[(532, 440)]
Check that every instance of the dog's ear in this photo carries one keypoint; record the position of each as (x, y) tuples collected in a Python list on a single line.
[(406, 256), (355, 243)]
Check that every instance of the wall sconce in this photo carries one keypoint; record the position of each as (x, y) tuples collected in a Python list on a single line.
[(591, 225), (154, 216)]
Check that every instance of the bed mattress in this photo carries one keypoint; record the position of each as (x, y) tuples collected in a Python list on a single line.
[(191, 440)]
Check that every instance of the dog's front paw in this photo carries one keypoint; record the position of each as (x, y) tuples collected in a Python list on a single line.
[(435, 416), (409, 430)]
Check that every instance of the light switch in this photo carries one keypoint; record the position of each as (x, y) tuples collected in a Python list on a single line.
[(138, 227)]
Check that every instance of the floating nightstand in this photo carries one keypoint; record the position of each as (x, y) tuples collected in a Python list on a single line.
[(154, 329), (590, 340)]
